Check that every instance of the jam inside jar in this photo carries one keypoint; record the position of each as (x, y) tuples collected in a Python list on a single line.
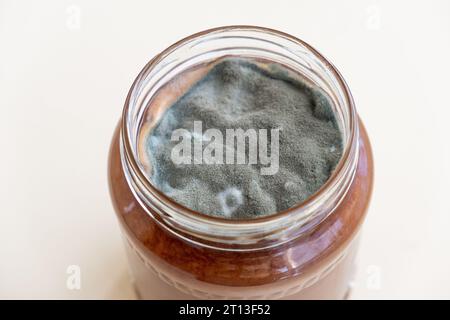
[(305, 252)]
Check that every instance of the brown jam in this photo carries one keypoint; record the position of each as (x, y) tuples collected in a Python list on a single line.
[(152, 249), (317, 264)]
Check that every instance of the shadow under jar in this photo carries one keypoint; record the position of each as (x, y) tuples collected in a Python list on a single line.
[(305, 252)]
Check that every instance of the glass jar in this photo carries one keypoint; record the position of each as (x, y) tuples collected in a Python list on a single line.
[(305, 252)]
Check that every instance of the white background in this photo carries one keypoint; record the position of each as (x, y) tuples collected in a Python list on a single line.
[(66, 67)]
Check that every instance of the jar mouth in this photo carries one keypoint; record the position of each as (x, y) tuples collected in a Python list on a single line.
[(219, 232)]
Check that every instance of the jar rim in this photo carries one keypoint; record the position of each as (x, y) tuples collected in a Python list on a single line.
[(345, 166)]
